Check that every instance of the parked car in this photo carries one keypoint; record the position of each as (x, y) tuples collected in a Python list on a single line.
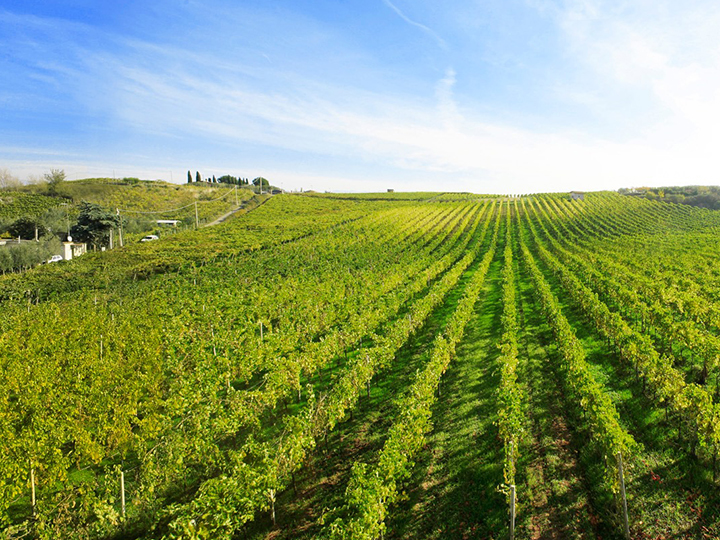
[(150, 238), (55, 258)]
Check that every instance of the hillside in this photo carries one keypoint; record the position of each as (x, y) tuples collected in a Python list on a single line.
[(50, 214), (130, 195), (324, 366)]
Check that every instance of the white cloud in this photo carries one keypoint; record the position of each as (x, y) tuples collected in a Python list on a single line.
[(440, 41), (447, 107)]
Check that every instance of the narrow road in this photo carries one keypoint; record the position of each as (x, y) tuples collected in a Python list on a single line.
[(235, 210), (225, 216)]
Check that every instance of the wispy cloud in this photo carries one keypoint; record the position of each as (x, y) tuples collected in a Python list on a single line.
[(398, 134), (447, 107), (440, 41)]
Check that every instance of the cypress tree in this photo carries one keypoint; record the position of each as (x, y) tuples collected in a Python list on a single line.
[(198, 178), (189, 178)]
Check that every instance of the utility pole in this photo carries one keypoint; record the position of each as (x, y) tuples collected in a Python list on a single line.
[(197, 220)]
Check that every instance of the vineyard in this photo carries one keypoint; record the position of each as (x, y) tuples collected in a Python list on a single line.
[(381, 366), (25, 204)]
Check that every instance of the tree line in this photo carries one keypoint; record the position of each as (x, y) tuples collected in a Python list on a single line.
[(228, 179), (701, 196)]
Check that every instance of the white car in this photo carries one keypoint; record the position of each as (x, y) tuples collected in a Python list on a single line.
[(55, 258), (150, 238)]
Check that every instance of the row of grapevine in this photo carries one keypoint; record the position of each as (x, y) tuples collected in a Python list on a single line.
[(597, 410), (158, 424), (14, 205), (373, 488), (645, 305), (287, 375), (671, 280), (275, 345), (282, 219), (263, 469), (692, 403), (509, 394)]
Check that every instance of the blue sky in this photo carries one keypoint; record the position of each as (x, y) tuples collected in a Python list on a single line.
[(484, 96)]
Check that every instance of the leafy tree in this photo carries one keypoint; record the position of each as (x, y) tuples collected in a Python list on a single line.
[(6, 260), (94, 225), (56, 221), (189, 178), (28, 255), (262, 182), (28, 227), (54, 179), (8, 181)]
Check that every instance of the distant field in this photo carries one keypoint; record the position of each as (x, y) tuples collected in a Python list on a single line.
[(377, 365), (399, 196), (404, 196)]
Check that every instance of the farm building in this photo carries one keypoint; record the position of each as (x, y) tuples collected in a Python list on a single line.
[(577, 195)]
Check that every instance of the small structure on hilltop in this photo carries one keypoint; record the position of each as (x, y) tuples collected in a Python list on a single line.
[(577, 195), (73, 249), (390, 190)]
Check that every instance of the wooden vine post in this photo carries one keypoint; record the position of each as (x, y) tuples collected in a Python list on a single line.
[(624, 498), (512, 491), (271, 494), (122, 493), (32, 489), (512, 512)]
